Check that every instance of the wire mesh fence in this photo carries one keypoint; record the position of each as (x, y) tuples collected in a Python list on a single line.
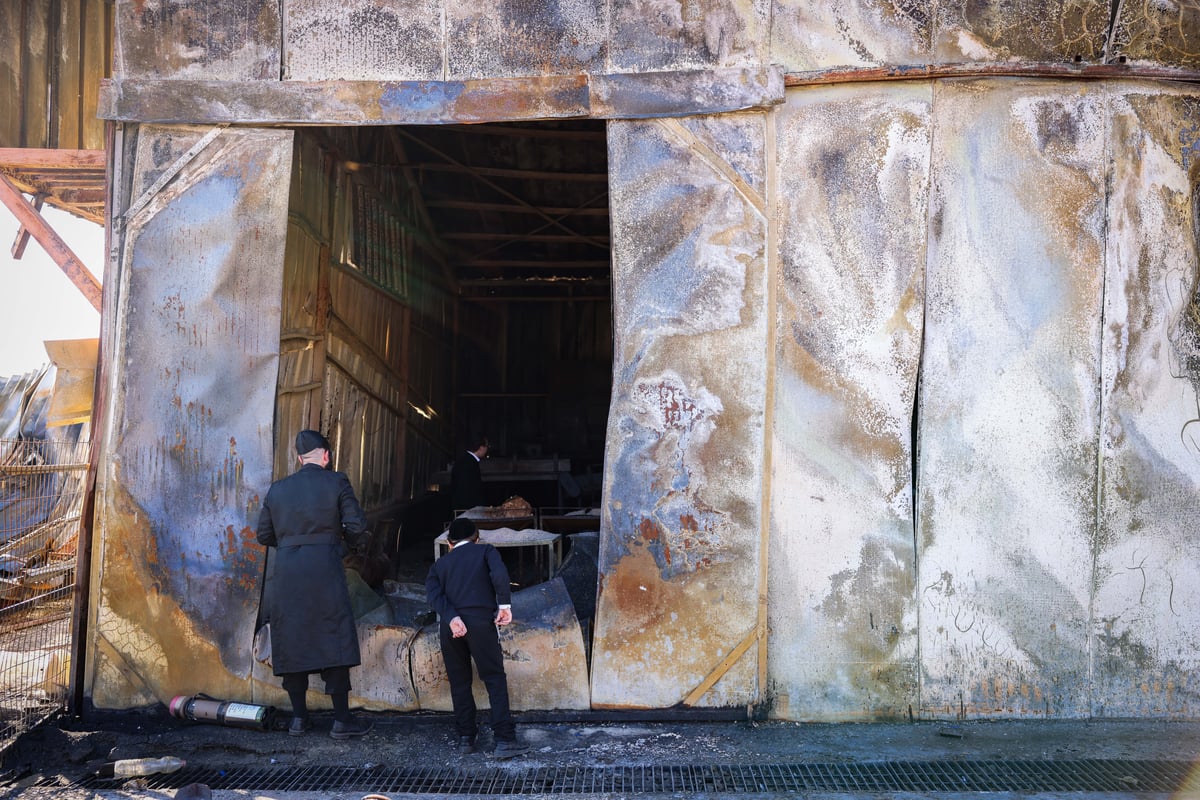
[(41, 496)]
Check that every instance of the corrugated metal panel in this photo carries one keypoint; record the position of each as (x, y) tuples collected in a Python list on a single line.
[(1009, 397), (53, 54), (189, 444), (684, 457), (1147, 647), (853, 188)]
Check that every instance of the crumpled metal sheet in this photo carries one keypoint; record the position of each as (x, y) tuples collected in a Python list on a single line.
[(543, 656), (1147, 647), (683, 462), (1010, 401), (198, 39), (853, 192), (193, 379)]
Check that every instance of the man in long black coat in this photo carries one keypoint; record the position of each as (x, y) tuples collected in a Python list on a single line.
[(466, 478), (305, 518)]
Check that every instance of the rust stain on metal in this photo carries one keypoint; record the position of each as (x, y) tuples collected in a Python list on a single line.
[(157, 641)]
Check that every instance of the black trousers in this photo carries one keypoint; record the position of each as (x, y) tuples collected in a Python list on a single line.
[(337, 679), (482, 643)]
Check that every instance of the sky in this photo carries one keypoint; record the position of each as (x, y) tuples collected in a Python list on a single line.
[(40, 302)]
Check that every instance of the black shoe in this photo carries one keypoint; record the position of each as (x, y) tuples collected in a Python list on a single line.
[(300, 726), (466, 745), (348, 730), (505, 749)]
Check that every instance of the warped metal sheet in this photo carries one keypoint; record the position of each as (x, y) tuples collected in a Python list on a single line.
[(648, 36), (1147, 647), (817, 34), (1166, 33), (1009, 397), (198, 39), (190, 442), (853, 181), (684, 456), (543, 656), (363, 39), (526, 37), (1021, 30)]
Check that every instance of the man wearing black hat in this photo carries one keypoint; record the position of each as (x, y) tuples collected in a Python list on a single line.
[(305, 517), (469, 589)]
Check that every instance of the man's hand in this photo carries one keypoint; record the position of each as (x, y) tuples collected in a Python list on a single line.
[(458, 628), (504, 616)]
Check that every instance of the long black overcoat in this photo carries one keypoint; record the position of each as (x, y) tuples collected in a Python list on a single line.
[(305, 518)]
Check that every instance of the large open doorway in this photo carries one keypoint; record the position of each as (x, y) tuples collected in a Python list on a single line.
[(443, 283)]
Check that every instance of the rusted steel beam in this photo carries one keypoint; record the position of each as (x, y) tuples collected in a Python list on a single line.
[(22, 240), (46, 158), (53, 244), (1009, 69), (618, 96)]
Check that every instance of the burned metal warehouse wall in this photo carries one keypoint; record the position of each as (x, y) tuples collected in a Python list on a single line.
[(904, 386)]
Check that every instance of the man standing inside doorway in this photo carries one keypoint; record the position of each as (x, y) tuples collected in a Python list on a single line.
[(469, 589), (305, 518), (466, 480)]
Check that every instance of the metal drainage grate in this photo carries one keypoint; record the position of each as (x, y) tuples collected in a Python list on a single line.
[(892, 776)]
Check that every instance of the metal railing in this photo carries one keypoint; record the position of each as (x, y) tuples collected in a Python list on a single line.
[(41, 494)]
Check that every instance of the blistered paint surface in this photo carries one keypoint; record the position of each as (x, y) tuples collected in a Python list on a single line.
[(679, 556), (853, 182), (543, 656), (1009, 400), (1027, 30), (526, 37), (1147, 647), (816, 34), (1157, 32), (668, 35), (343, 41), (190, 442), (198, 39)]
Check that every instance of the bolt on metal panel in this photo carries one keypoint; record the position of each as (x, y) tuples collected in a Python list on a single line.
[(193, 378), (1008, 406), (853, 190), (679, 560), (1147, 649)]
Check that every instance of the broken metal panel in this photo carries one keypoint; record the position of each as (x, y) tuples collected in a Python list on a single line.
[(223, 41), (1166, 33), (1147, 553), (1009, 400), (188, 454), (683, 474), (648, 35), (1024, 30), (363, 39), (543, 656), (816, 34), (853, 167), (526, 37)]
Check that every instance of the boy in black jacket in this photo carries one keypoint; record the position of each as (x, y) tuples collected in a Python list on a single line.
[(468, 587)]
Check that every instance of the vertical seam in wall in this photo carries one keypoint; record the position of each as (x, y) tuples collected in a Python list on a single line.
[(772, 262), (916, 412), (445, 45), (1100, 408)]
